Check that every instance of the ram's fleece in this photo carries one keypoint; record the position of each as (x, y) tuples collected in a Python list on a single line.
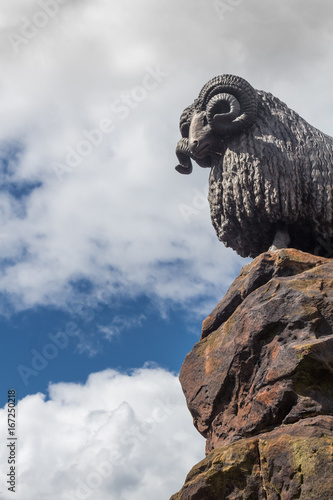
[(271, 180)]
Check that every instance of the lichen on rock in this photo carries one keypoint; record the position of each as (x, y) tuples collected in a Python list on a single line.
[(292, 461)]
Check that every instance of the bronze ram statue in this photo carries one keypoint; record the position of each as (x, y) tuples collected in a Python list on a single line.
[(271, 179)]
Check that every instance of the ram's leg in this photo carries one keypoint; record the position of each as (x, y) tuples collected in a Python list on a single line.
[(281, 238)]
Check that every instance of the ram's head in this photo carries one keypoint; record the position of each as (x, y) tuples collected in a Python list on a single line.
[(226, 105)]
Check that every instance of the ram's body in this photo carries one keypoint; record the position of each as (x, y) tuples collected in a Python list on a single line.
[(275, 173)]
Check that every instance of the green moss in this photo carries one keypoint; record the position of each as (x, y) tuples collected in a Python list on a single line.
[(311, 454), (280, 462), (225, 470), (229, 325)]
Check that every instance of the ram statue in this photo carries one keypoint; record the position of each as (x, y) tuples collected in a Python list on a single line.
[(271, 179)]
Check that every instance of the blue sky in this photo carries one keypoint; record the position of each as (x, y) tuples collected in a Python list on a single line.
[(108, 259), (53, 346)]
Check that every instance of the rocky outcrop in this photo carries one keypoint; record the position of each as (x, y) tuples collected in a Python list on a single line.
[(293, 461), (259, 384)]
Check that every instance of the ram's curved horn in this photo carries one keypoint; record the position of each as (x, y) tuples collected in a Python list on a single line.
[(183, 155), (230, 103), (185, 120), (182, 149)]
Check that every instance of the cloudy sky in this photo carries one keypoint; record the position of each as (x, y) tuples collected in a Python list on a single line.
[(108, 261)]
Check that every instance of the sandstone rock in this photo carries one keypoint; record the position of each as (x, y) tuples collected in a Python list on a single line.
[(266, 353), (286, 262), (259, 384), (292, 461)]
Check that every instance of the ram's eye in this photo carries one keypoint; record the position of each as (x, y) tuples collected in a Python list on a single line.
[(184, 130), (204, 120)]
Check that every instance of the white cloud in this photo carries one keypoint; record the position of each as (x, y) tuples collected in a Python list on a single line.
[(116, 217), (117, 437), (120, 323)]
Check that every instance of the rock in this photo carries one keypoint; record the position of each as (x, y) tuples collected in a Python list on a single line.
[(259, 384), (266, 353), (286, 262), (292, 461)]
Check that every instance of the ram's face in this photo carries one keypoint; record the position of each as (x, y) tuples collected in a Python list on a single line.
[(226, 106), (203, 141)]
